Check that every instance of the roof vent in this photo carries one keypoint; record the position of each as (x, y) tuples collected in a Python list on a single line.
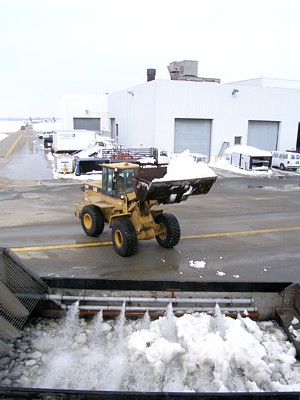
[(151, 74), (187, 70)]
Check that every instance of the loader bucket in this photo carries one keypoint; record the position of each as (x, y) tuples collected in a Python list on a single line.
[(176, 191)]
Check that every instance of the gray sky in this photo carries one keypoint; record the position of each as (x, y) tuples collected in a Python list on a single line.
[(51, 48)]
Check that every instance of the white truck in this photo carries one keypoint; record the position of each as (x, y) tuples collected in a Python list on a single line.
[(69, 141), (286, 160)]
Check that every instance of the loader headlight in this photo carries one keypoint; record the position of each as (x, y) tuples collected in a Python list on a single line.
[(122, 197)]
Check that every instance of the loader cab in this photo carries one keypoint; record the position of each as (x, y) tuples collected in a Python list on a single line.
[(117, 179)]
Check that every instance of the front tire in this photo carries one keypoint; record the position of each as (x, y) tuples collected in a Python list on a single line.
[(124, 237), (170, 228), (92, 220)]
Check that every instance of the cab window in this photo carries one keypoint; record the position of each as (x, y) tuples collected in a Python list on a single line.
[(107, 180), (124, 181)]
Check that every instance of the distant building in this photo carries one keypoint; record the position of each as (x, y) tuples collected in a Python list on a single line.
[(190, 112), (85, 112)]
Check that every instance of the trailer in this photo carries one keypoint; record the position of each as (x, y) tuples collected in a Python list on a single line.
[(69, 141), (248, 158)]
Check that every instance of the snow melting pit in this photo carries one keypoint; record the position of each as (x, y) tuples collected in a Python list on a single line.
[(196, 352)]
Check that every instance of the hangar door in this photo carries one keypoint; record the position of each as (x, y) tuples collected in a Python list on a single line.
[(91, 124), (263, 134), (192, 134)]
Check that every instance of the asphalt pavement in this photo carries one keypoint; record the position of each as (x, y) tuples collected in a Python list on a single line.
[(245, 229)]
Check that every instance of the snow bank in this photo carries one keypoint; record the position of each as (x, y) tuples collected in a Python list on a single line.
[(248, 151), (225, 166), (7, 126), (2, 136)]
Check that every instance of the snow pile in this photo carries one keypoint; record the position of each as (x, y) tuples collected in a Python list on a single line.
[(90, 176), (194, 353), (248, 151), (183, 166), (2, 136), (224, 165), (9, 126)]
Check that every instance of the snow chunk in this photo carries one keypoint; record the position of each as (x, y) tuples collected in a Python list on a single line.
[(197, 264), (183, 166), (163, 350)]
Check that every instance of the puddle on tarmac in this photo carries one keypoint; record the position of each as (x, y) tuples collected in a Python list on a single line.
[(31, 164)]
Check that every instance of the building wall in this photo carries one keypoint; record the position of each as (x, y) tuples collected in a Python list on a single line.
[(134, 112), (145, 114), (84, 106), (148, 116)]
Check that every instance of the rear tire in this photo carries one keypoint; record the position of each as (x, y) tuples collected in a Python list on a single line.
[(282, 168), (171, 230), (92, 220), (124, 237)]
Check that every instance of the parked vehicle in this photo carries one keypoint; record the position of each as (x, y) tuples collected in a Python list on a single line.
[(248, 158), (72, 140), (45, 135), (285, 160)]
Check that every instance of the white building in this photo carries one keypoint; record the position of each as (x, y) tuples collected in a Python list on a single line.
[(85, 112), (199, 114)]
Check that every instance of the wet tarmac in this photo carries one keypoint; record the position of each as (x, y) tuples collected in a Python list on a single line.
[(245, 228), (29, 161)]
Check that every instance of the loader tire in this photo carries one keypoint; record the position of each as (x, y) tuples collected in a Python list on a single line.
[(171, 228), (92, 220), (124, 237)]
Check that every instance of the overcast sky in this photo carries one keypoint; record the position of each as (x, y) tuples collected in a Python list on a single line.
[(51, 48)]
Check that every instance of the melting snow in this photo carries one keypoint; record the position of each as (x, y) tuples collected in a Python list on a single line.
[(197, 264), (194, 353)]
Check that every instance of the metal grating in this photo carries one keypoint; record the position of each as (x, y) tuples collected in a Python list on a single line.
[(20, 291)]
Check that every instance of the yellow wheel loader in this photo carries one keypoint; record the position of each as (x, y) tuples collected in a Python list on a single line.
[(127, 198)]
